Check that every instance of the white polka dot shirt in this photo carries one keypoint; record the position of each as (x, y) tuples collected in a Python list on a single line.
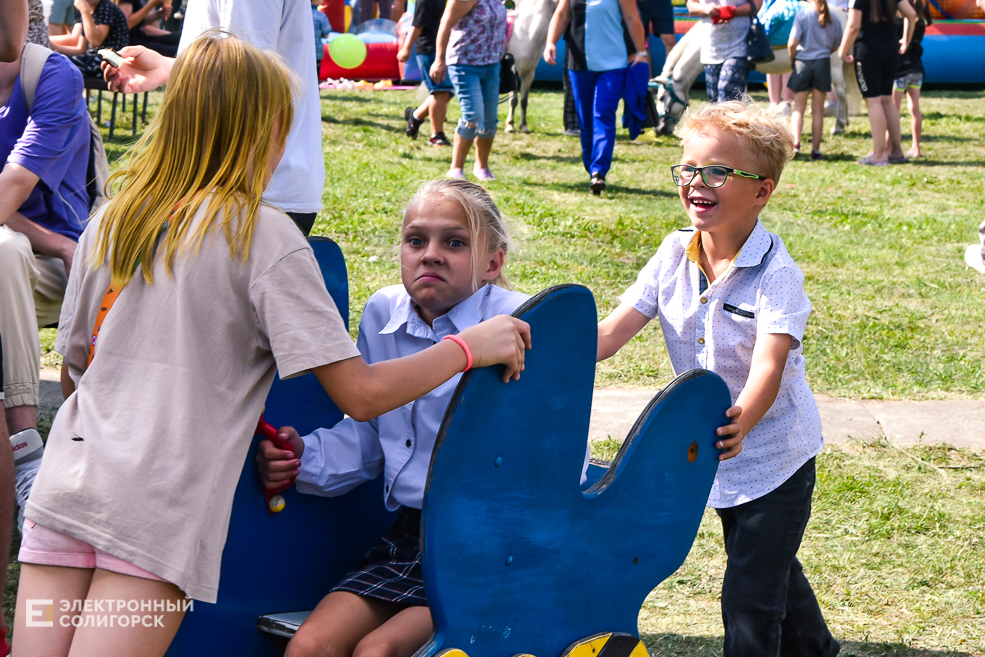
[(715, 327)]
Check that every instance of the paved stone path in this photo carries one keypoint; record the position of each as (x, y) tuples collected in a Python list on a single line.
[(614, 410)]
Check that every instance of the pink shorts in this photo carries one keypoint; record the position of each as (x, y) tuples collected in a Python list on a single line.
[(45, 547)]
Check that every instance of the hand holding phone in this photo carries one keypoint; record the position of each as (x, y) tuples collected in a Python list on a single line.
[(111, 57)]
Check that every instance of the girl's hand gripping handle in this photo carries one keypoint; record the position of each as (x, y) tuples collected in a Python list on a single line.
[(275, 502)]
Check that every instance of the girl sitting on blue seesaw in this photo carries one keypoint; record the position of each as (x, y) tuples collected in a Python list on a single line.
[(452, 253), (198, 293)]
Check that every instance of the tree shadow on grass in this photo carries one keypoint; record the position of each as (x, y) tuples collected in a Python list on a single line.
[(566, 159), (947, 138), (963, 118), (945, 163), (357, 122), (678, 645), (610, 188), (347, 98)]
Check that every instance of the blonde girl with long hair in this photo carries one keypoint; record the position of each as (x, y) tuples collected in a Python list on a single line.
[(814, 36), (188, 295)]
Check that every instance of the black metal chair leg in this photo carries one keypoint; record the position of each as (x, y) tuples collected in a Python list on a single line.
[(112, 118), (143, 115), (99, 107)]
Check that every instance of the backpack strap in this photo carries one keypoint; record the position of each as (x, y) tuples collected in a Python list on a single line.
[(32, 63)]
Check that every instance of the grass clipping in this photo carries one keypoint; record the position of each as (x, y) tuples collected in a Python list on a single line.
[(894, 551)]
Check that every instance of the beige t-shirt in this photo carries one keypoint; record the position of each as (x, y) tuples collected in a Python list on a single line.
[(143, 459)]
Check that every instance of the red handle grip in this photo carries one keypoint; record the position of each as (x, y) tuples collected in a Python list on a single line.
[(275, 503)]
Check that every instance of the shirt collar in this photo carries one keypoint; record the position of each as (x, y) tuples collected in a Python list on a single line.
[(751, 254), (757, 245), (465, 314)]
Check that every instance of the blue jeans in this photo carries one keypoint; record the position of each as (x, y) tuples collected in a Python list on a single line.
[(424, 63), (597, 95), (768, 606), (726, 81), (477, 88)]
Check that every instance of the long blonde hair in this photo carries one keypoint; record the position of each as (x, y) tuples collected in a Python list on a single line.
[(210, 139), (487, 228)]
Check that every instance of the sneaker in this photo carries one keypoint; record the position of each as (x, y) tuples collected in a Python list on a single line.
[(483, 174), (413, 124), (574, 132), (796, 149), (455, 173), (439, 139), (28, 450), (597, 185), (816, 155)]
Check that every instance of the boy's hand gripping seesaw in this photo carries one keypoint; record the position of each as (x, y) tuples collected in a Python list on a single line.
[(275, 501)]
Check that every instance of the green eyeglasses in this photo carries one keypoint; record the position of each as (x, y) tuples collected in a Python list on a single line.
[(713, 175)]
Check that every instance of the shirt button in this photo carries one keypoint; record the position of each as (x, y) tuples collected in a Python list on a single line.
[(704, 299), (408, 442), (701, 340)]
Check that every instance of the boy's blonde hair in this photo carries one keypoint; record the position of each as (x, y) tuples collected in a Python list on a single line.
[(210, 139), (767, 139), (486, 225)]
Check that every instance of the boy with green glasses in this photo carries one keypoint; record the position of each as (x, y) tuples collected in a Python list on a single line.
[(731, 300)]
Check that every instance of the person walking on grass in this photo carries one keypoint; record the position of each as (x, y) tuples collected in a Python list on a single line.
[(814, 36), (423, 39), (470, 43), (605, 41)]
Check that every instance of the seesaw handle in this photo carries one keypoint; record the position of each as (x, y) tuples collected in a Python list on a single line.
[(275, 503)]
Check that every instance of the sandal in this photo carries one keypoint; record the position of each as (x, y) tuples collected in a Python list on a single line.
[(455, 173), (597, 185), (899, 160), (867, 160)]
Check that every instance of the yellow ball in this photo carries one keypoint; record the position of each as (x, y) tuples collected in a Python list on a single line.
[(276, 504)]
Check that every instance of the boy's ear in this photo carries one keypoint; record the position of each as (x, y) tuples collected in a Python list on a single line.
[(494, 265), (765, 191)]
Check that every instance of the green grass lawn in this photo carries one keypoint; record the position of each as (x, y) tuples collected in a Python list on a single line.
[(897, 314), (895, 547)]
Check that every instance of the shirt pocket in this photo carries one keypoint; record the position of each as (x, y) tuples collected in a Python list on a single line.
[(739, 313)]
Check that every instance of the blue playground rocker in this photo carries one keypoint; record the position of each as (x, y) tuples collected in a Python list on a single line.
[(518, 558)]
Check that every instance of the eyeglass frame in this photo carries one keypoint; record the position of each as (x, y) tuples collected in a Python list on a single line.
[(701, 172)]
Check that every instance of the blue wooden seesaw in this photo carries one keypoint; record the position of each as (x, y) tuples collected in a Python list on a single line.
[(518, 557)]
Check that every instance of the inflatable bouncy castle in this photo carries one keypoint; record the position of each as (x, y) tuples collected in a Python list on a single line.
[(953, 47)]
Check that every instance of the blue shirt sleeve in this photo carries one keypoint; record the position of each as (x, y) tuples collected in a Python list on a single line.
[(54, 144)]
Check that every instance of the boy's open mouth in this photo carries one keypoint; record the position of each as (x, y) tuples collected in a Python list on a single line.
[(702, 202)]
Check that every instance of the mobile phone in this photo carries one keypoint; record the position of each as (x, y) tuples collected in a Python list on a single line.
[(111, 57)]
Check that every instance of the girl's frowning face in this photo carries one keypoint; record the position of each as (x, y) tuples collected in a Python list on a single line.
[(436, 257)]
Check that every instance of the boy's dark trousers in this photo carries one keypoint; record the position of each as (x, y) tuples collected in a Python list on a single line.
[(768, 606)]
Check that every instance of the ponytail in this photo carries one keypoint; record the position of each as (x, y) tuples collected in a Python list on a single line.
[(923, 11), (823, 13)]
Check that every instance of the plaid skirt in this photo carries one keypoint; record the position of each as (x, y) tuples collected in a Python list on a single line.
[(391, 571)]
